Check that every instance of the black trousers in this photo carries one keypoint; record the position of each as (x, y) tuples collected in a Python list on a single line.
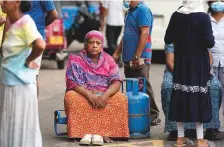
[(144, 72), (112, 34)]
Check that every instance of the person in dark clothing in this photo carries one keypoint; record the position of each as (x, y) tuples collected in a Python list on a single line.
[(191, 33)]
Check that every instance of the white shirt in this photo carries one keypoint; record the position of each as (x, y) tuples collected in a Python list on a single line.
[(115, 16), (218, 49)]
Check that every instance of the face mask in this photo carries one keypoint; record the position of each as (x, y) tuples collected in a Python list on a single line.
[(218, 6), (126, 4)]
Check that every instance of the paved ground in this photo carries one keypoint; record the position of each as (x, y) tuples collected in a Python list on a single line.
[(52, 88)]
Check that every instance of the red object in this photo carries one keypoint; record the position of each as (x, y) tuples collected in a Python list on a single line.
[(55, 38)]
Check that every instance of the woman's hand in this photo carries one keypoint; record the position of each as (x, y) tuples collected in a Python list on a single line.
[(111, 90), (93, 100), (170, 61), (31, 64), (103, 101)]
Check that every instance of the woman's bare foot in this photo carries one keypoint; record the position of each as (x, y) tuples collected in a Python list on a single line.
[(107, 139), (205, 143), (181, 140), (202, 143)]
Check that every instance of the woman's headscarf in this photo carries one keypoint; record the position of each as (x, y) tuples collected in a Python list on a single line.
[(191, 6), (93, 34)]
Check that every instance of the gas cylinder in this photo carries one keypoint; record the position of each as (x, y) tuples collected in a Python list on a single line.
[(138, 109)]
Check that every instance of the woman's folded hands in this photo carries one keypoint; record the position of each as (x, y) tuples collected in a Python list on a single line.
[(103, 101), (98, 102)]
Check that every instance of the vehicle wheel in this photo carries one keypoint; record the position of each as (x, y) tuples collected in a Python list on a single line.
[(61, 64)]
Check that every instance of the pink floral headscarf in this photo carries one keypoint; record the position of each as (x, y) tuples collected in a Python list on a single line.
[(93, 34)]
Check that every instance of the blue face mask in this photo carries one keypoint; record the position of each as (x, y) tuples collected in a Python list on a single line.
[(218, 6), (126, 4)]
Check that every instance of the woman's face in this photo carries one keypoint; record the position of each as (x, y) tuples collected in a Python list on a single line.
[(94, 46), (9, 6)]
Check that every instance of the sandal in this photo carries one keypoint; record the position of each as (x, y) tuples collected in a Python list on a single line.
[(97, 140), (187, 142), (155, 122), (86, 140)]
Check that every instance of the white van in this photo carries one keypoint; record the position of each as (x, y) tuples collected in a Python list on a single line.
[(162, 11)]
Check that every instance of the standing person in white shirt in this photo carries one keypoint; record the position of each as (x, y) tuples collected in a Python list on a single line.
[(216, 10), (114, 14)]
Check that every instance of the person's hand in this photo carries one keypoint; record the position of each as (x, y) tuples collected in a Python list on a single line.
[(103, 101), (93, 100), (31, 64), (115, 57), (137, 63)]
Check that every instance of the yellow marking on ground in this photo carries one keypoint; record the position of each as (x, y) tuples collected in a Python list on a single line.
[(151, 143)]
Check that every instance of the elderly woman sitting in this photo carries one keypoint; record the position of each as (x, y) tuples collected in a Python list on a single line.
[(95, 108)]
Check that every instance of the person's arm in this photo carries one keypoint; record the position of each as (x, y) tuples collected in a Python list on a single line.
[(209, 40), (137, 63), (37, 49), (103, 18), (169, 52), (144, 21), (33, 38), (51, 16), (114, 82), (144, 34), (170, 61), (81, 90), (210, 58), (118, 51), (111, 90)]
